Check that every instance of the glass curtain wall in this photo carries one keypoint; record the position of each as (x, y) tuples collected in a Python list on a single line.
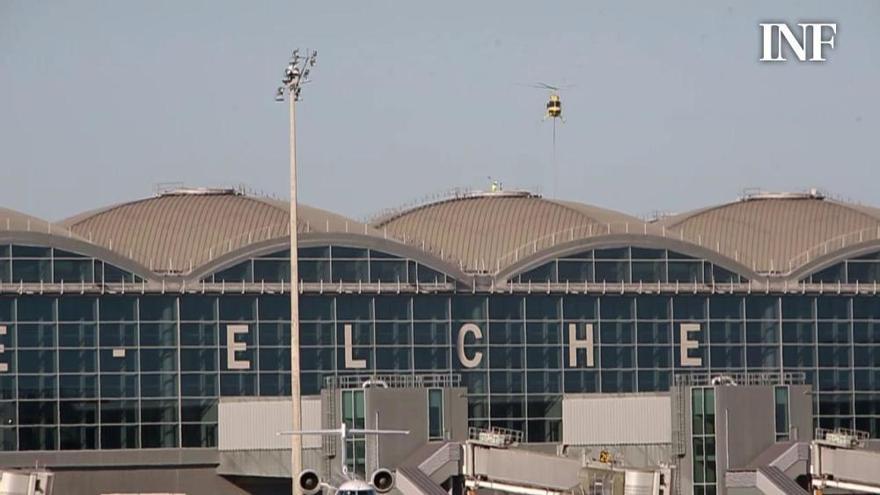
[(141, 371)]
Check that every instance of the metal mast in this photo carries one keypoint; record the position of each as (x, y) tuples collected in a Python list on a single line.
[(295, 75)]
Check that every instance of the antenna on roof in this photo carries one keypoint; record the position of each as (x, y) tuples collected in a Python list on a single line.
[(495, 185)]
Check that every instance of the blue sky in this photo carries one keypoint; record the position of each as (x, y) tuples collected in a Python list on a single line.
[(669, 109)]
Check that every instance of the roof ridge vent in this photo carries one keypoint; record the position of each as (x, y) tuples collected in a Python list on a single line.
[(754, 194), (502, 193), (178, 189)]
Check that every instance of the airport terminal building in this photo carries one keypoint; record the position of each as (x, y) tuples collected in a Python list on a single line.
[(122, 328)]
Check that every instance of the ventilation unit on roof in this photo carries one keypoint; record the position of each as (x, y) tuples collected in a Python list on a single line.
[(178, 189), (756, 194), (506, 193)]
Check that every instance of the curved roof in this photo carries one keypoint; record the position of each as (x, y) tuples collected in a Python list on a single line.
[(180, 230), (481, 230), (11, 220), (774, 233)]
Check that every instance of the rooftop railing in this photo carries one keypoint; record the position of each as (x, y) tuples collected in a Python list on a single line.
[(495, 436), (436, 380), (834, 244), (843, 437), (702, 379)]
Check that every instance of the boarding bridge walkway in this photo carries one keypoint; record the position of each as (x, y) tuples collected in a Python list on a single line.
[(489, 463), (839, 460), (493, 460)]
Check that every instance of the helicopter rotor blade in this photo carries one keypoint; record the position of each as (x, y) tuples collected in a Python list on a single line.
[(541, 85)]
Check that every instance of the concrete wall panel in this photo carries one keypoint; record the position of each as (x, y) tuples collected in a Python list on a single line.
[(616, 419), (193, 481), (252, 424), (526, 468)]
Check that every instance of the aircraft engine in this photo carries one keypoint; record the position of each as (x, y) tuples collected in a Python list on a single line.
[(382, 480), (309, 482)]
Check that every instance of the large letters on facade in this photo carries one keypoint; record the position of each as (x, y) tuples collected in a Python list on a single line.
[(232, 347), (686, 344), (469, 362), (350, 361), (574, 344), (473, 360)]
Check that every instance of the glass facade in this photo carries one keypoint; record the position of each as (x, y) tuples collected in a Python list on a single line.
[(32, 264), (863, 269), (703, 440), (781, 412), (353, 415), (331, 264), (146, 370), (630, 265), (435, 414)]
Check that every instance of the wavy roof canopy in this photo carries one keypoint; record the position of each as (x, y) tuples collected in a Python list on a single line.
[(773, 232), (496, 233), (176, 232), (15, 221), (482, 230)]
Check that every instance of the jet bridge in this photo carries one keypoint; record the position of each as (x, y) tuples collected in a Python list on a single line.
[(839, 460), (492, 461)]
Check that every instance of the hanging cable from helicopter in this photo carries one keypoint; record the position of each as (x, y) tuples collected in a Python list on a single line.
[(554, 113)]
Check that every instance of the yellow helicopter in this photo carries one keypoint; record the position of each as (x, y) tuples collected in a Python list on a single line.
[(554, 113), (554, 104)]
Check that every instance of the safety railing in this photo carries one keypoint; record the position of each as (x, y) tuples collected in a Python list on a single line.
[(495, 436), (700, 379), (435, 380)]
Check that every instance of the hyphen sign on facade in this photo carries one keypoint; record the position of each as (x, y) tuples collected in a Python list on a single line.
[(814, 38)]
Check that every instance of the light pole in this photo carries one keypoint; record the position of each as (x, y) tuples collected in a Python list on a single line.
[(295, 75)]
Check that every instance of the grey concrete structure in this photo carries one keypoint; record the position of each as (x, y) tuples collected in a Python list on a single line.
[(197, 480), (158, 471), (616, 419), (403, 405), (408, 409), (251, 447), (729, 426), (255, 424)]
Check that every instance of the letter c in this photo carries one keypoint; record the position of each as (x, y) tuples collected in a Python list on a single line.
[(469, 362)]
